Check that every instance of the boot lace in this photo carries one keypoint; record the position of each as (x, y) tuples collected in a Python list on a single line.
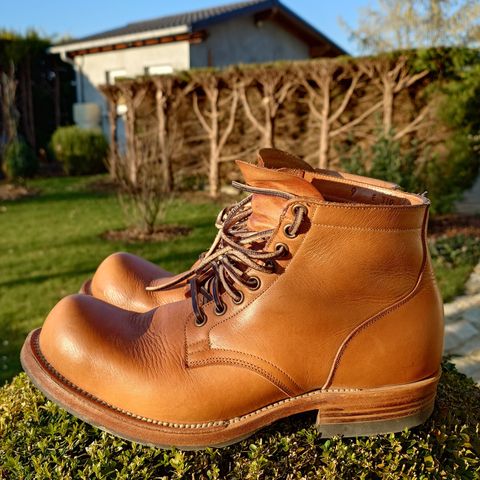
[(224, 267)]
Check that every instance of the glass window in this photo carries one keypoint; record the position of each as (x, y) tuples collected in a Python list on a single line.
[(113, 74), (158, 69)]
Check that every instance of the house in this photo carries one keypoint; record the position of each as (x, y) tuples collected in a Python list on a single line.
[(247, 32)]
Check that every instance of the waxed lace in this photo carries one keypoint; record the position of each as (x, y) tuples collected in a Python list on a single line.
[(235, 249)]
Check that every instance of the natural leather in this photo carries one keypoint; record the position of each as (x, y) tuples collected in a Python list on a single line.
[(122, 277), (354, 305)]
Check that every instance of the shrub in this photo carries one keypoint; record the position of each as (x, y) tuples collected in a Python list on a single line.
[(20, 161), (39, 440), (385, 160), (80, 151), (143, 194), (445, 179)]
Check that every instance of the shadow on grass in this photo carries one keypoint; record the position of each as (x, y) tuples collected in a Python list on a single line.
[(45, 277)]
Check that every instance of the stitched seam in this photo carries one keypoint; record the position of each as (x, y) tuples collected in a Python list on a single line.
[(243, 363), (258, 358), (266, 290), (367, 323), (224, 423), (190, 316), (374, 229)]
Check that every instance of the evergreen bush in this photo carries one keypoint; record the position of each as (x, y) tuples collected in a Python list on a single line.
[(80, 151), (20, 161)]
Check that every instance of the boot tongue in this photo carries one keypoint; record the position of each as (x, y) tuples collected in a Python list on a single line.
[(280, 174)]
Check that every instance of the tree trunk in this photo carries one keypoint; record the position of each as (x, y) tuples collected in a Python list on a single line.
[(270, 133), (112, 120), (387, 107), (214, 173), (167, 171), (325, 126)]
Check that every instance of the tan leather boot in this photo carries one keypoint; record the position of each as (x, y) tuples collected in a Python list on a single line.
[(121, 279), (310, 301)]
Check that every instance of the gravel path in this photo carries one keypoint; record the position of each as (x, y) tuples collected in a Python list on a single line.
[(462, 328)]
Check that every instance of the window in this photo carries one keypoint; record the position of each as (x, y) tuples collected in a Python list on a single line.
[(113, 74), (158, 70)]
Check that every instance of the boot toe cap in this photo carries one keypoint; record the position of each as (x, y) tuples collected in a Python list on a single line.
[(121, 280), (82, 339)]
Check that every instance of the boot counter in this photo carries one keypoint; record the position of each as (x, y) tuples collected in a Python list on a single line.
[(400, 345)]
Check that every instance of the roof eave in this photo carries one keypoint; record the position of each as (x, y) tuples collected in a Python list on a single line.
[(101, 42)]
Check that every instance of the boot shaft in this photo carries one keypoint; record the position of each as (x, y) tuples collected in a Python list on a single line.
[(351, 268)]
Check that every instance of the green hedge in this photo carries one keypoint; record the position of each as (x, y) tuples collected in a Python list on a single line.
[(39, 441), (80, 151), (20, 161)]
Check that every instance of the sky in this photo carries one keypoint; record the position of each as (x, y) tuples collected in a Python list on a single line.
[(77, 19)]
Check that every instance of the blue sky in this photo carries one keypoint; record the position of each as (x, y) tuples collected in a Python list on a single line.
[(61, 17)]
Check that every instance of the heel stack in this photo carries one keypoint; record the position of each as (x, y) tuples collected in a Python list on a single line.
[(374, 411)]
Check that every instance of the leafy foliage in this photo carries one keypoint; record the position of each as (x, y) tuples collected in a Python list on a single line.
[(20, 161), (39, 440), (81, 152), (454, 258), (401, 24), (444, 179)]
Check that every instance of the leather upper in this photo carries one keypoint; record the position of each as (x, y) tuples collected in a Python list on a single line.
[(352, 305), (122, 277)]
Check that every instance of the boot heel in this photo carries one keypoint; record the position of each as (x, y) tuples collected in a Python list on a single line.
[(376, 411)]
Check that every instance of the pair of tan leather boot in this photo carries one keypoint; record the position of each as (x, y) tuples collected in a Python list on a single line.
[(317, 294)]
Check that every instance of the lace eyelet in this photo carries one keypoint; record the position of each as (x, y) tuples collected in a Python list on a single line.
[(201, 322), (253, 283), (299, 206), (286, 231), (239, 300), (282, 249), (221, 311)]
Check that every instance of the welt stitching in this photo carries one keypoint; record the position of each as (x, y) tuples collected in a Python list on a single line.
[(149, 421), (103, 403)]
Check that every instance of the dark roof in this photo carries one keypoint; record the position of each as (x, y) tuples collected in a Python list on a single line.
[(200, 19)]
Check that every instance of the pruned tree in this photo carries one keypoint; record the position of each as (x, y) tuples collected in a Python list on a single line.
[(133, 95), (142, 197), (170, 93), (328, 101), (113, 95), (391, 78), (216, 116), (273, 85)]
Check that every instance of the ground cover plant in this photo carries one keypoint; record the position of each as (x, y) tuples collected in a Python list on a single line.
[(51, 242), (40, 441)]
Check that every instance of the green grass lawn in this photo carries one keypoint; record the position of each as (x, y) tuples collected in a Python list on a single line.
[(50, 244)]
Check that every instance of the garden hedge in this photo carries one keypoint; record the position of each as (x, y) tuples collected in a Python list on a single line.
[(39, 441)]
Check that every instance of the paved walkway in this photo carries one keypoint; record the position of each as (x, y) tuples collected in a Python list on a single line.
[(462, 328), (471, 200)]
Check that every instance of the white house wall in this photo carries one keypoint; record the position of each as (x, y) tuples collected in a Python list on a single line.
[(240, 40), (91, 69)]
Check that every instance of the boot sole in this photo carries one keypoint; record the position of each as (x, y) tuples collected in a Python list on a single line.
[(85, 289), (350, 413)]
